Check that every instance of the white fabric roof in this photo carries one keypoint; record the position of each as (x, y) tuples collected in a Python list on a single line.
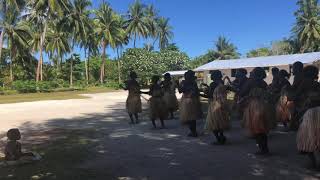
[(176, 73), (268, 61)]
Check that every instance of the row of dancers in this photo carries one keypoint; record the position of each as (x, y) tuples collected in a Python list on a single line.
[(297, 105)]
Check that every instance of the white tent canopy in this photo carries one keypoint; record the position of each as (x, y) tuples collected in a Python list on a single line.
[(268, 61), (175, 73)]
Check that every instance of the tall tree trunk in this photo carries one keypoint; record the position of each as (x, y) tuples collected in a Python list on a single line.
[(13, 55), (119, 68), (40, 62), (11, 71), (86, 66), (103, 59), (134, 40), (1, 41), (71, 71)]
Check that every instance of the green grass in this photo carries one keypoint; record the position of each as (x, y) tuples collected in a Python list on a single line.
[(16, 98)]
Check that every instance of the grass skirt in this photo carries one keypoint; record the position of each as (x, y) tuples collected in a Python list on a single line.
[(271, 116), (256, 118), (284, 110), (158, 108), (218, 117), (171, 101), (308, 136), (190, 109), (133, 104)]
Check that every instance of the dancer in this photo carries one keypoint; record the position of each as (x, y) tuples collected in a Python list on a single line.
[(157, 104), (133, 103), (240, 80), (216, 77), (170, 98), (190, 106), (236, 86), (275, 77), (308, 136), (284, 107), (218, 118), (308, 91), (297, 71), (256, 113), (216, 121)]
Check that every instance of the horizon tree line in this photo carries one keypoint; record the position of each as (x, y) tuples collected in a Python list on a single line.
[(35, 28), (55, 28)]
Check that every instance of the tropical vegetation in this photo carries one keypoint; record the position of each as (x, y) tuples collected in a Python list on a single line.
[(65, 44)]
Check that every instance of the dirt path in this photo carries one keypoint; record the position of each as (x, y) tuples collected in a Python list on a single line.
[(14, 115), (127, 152)]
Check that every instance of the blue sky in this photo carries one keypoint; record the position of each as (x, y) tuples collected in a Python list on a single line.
[(248, 24)]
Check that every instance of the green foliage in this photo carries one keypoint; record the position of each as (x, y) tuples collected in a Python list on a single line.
[(114, 85), (164, 32), (25, 86), (307, 27), (203, 59), (33, 86), (146, 63), (55, 27), (47, 86), (259, 52), (172, 47), (224, 49), (111, 69), (283, 47)]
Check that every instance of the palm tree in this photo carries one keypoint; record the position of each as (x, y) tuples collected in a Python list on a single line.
[(151, 19), (260, 52), (136, 23), (109, 30), (57, 44), (307, 27), (124, 40), (42, 13), (17, 33), (225, 49), (164, 32), (91, 46), (74, 58), (81, 26), (8, 7), (285, 46)]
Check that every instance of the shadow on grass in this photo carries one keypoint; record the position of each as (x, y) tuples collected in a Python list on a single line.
[(104, 146)]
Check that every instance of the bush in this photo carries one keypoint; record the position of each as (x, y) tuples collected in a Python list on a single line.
[(80, 84), (25, 86), (114, 85), (62, 83), (47, 86)]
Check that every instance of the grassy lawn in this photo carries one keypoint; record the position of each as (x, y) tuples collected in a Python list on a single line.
[(16, 98)]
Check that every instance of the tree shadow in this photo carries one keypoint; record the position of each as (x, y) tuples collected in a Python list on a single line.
[(105, 146)]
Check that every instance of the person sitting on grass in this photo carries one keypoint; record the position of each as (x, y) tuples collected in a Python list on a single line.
[(12, 149)]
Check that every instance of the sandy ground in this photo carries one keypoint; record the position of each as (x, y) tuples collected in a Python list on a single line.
[(14, 115), (129, 152)]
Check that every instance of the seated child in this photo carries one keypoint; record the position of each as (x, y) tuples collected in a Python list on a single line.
[(13, 147)]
